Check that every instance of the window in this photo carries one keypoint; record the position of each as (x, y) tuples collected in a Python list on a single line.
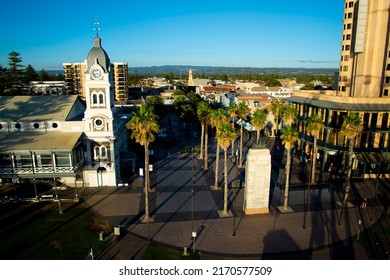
[(386, 92), (23, 160), (349, 26), (5, 160), (348, 37), (94, 98), (387, 80), (346, 68), (350, 4), (388, 67), (98, 98), (346, 57), (385, 120), (350, 15), (100, 152), (347, 47), (63, 160)]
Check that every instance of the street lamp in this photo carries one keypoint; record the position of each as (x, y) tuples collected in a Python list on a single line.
[(192, 191), (308, 195), (234, 199)]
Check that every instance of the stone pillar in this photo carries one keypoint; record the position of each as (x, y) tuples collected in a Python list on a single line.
[(257, 181)]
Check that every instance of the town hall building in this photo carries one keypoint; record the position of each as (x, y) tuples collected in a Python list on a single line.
[(64, 138)]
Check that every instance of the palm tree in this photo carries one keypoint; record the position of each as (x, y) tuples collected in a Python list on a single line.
[(225, 135), (243, 111), (233, 112), (289, 114), (258, 120), (217, 117), (289, 137), (203, 112), (314, 127), (144, 125), (351, 127), (276, 109)]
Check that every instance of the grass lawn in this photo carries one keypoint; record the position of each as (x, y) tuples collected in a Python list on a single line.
[(36, 231)]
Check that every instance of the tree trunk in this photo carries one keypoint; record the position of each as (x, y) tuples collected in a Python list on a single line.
[(206, 147), (147, 183), (314, 161), (349, 171), (216, 166), (241, 132), (225, 193), (277, 126), (232, 150), (201, 142), (287, 186), (257, 136)]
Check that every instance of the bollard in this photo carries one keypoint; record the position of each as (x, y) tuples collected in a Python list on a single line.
[(185, 252)]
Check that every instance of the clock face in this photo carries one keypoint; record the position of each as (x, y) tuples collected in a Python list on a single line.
[(96, 73)]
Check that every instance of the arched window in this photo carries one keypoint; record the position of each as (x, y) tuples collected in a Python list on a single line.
[(94, 98), (101, 99), (100, 152)]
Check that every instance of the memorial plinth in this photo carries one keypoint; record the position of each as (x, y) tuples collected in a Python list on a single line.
[(257, 181)]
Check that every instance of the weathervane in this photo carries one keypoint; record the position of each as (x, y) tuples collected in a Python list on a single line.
[(96, 26)]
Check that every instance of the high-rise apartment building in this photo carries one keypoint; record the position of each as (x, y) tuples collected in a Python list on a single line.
[(365, 54), (363, 89), (75, 78)]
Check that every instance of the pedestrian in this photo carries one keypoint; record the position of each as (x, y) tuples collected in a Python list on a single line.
[(363, 204)]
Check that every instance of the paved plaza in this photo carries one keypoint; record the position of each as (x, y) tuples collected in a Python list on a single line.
[(180, 207)]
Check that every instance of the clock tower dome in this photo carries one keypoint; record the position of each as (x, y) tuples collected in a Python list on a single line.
[(100, 118)]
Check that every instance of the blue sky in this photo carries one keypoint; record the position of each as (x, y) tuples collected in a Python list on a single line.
[(250, 33)]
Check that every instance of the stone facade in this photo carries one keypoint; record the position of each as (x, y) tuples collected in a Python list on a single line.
[(257, 181)]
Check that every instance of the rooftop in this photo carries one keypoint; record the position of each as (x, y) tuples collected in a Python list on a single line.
[(36, 108), (38, 141)]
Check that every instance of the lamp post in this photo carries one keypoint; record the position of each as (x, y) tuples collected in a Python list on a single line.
[(234, 199), (192, 190), (308, 195)]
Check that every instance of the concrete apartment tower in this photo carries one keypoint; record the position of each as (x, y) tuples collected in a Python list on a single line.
[(365, 54)]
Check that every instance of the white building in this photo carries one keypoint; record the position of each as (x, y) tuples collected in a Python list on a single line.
[(61, 137)]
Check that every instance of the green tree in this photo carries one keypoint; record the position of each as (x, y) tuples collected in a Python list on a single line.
[(43, 75), (157, 104), (185, 111), (225, 134), (29, 74), (203, 113), (3, 79), (243, 111), (217, 118), (233, 113), (289, 114), (15, 67), (144, 126), (258, 121), (352, 126), (276, 110), (289, 137), (314, 127)]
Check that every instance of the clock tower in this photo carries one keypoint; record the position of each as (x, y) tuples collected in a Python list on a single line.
[(100, 120)]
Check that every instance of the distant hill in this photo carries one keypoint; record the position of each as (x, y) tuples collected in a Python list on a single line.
[(217, 70)]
